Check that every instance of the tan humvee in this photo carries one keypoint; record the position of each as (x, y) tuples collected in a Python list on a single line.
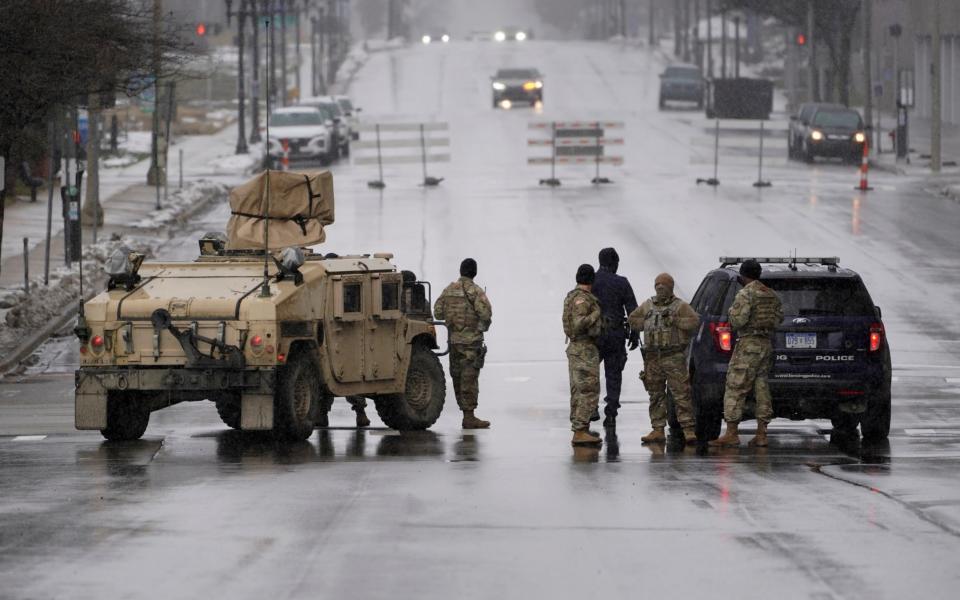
[(270, 355)]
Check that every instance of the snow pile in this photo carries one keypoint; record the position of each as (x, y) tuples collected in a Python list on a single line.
[(239, 164), (23, 314), (184, 202)]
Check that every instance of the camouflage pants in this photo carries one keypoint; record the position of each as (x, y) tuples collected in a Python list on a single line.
[(662, 373), (465, 372), (748, 370), (583, 360)]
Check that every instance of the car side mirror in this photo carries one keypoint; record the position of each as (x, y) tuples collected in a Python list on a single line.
[(879, 312)]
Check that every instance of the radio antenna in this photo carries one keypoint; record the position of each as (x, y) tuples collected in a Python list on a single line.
[(265, 288)]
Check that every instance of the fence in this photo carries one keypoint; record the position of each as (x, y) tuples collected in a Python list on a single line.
[(392, 143), (575, 143)]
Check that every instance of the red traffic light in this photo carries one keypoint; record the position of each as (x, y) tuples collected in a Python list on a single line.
[(801, 39), (201, 29)]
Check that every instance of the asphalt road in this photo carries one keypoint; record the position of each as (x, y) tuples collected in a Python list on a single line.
[(195, 509)]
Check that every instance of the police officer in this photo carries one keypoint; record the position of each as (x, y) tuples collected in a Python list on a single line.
[(616, 302), (754, 315), (668, 323), (581, 324), (467, 311)]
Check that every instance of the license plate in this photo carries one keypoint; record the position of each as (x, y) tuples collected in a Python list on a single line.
[(801, 340)]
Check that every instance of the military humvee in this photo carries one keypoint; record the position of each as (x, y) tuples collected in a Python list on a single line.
[(270, 339)]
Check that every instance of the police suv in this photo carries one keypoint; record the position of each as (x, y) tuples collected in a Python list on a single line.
[(831, 357)]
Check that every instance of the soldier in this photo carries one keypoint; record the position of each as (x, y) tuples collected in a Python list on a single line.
[(668, 323), (755, 314), (357, 403), (581, 324), (467, 311), (616, 302)]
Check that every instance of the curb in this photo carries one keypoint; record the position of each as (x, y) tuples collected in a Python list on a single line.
[(34, 341)]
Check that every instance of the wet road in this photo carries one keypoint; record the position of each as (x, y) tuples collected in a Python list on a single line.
[(195, 509)]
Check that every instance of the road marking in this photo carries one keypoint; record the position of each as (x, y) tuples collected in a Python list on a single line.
[(29, 438), (894, 379), (952, 379), (517, 379), (920, 431)]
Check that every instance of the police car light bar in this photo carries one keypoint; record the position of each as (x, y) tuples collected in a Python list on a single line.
[(726, 261)]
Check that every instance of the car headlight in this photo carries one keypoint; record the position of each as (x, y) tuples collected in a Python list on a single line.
[(816, 135), (520, 36), (500, 36), (499, 86), (445, 38), (539, 85), (425, 39), (859, 137)]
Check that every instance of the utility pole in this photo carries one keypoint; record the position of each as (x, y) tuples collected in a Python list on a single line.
[(697, 46), (812, 75), (867, 71), (283, 52), (623, 18), (313, 55), (255, 81), (685, 29), (92, 211), (736, 47), (270, 14), (652, 25), (241, 88), (935, 113), (710, 39), (296, 15), (332, 46), (155, 172), (723, 43), (676, 27)]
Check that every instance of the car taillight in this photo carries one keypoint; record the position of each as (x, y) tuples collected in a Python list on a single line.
[(722, 336), (96, 343), (876, 337), (256, 344)]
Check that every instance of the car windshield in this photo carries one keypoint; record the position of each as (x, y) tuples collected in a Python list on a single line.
[(345, 104), (296, 118), (846, 119), (681, 73), (828, 296), (517, 74)]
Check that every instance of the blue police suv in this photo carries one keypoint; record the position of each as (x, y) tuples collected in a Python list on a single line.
[(831, 359)]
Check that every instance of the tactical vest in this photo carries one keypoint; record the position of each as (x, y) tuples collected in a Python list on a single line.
[(460, 313), (659, 334), (763, 312)]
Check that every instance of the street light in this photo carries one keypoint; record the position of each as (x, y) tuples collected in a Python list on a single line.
[(241, 15)]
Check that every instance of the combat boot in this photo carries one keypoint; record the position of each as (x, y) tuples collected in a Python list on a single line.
[(585, 437), (730, 437), (654, 437), (472, 422), (760, 440), (323, 420), (689, 436), (362, 419)]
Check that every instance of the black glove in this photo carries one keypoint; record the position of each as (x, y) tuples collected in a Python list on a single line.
[(634, 342)]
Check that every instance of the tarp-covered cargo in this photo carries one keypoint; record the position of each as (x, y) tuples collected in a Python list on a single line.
[(300, 206)]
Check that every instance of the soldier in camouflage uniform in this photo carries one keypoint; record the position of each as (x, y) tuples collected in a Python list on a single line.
[(467, 311), (755, 314), (667, 323), (357, 403), (581, 324)]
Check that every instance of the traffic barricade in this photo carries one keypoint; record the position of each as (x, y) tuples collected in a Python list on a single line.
[(575, 143), (402, 143)]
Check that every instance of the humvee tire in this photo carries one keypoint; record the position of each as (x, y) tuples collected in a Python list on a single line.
[(229, 411), (127, 417), (297, 399), (420, 405)]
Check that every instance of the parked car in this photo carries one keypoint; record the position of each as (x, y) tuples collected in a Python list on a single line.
[(683, 83), (351, 112), (300, 132), (329, 106), (831, 356)]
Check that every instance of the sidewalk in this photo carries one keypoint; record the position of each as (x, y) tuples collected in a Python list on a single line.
[(125, 197), (919, 164)]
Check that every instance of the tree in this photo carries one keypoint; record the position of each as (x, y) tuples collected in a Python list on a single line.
[(834, 21), (55, 54)]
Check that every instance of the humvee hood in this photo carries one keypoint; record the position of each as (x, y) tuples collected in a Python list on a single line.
[(300, 205), (193, 291)]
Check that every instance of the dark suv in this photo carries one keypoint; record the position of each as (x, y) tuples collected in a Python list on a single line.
[(831, 358), (681, 82)]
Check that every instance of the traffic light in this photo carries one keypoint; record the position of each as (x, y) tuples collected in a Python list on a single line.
[(201, 29), (801, 39)]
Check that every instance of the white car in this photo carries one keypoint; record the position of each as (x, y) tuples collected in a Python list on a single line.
[(331, 110), (352, 113), (304, 132)]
